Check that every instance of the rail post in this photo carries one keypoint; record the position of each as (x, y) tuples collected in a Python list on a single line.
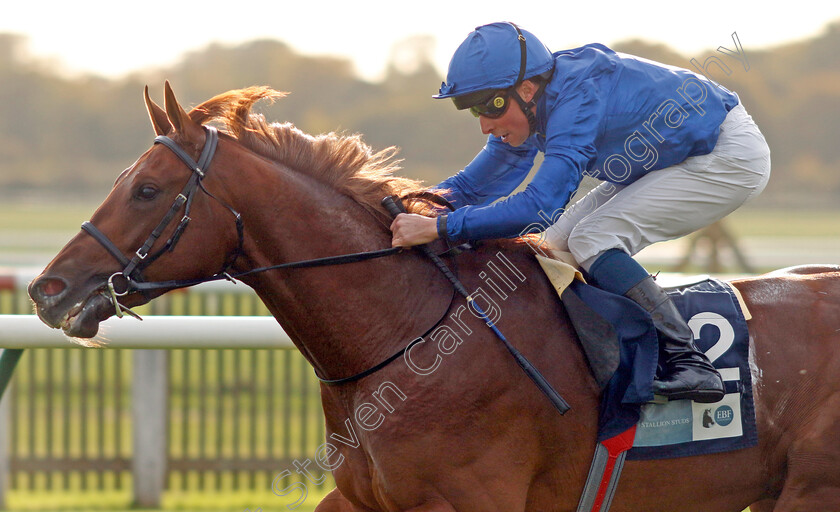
[(149, 397)]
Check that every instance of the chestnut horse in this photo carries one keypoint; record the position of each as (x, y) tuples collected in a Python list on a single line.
[(454, 424)]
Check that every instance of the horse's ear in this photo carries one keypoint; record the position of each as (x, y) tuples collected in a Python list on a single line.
[(157, 115), (178, 118)]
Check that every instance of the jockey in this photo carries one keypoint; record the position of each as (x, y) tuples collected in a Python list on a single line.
[(675, 152)]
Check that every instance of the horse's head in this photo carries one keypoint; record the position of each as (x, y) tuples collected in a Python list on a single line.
[(159, 222)]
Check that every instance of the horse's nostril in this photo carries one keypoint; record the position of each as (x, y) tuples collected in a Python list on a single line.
[(50, 287)]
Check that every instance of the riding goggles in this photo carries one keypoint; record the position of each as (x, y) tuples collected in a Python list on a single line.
[(492, 108), (490, 104)]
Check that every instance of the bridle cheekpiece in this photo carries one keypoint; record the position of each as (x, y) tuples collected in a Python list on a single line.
[(126, 281)]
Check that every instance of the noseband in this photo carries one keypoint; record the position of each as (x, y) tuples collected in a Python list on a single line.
[(124, 282)]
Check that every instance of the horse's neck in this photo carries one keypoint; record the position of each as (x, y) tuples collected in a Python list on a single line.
[(343, 318)]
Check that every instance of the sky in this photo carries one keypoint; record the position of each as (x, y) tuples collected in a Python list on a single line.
[(115, 38)]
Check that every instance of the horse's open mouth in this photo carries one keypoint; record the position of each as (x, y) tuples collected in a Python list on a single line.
[(82, 320)]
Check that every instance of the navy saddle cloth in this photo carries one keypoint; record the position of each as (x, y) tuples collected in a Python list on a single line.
[(622, 346)]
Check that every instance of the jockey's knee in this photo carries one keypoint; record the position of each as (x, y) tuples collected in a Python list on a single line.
[(557, 238), (586, 248)]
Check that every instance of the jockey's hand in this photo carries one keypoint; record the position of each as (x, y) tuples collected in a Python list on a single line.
[(412, 229)]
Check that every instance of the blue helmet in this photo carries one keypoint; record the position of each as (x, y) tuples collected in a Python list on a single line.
[(494, 56)]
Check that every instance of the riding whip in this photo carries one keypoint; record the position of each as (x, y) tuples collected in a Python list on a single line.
[(395, 207)]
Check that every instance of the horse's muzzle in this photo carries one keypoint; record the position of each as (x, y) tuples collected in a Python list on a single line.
[(77, 314)]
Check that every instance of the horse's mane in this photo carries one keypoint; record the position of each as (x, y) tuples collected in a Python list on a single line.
[(344, 162)]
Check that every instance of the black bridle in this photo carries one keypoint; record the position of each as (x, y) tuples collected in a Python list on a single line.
[(130, 278)]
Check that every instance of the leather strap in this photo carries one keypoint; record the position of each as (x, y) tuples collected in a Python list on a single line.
[(103, 240), (210, 143)]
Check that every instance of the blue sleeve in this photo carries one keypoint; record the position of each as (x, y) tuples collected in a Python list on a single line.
[(495, 172), (572, 127), (548, 192)]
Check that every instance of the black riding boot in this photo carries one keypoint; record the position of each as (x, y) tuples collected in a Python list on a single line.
[(687, 372)]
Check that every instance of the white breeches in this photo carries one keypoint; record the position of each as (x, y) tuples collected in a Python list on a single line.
[(671, 202)]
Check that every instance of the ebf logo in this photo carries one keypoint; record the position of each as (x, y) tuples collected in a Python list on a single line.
[(722, 416)]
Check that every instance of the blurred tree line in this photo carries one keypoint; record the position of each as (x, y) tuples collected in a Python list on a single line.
[(63, 136)]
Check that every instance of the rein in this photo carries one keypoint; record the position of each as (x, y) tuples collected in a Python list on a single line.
[(393, 357), (131, 280), (395, 207), (317, 262)]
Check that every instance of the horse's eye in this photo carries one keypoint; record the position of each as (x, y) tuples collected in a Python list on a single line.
[(146, 193)]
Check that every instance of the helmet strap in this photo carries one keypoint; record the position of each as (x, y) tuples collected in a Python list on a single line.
[(527, 107), (523, 54)]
